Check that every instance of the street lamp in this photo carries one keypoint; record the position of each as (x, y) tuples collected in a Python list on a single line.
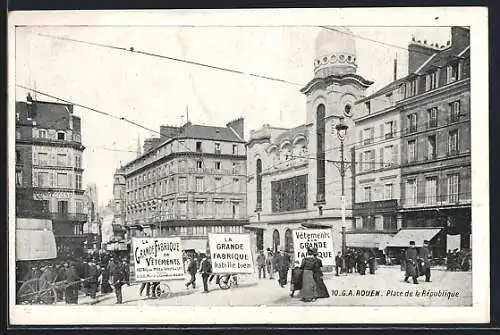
[(341, 128)]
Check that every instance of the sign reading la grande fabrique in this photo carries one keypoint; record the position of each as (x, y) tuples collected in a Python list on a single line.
[(231, 253), (157, 259), (321, 239)]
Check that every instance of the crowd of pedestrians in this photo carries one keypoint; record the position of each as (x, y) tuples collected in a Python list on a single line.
[(72, 277)]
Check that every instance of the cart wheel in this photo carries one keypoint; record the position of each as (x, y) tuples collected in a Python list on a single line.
[(28, 292), (162, 290), (225, 282), (48, 296)]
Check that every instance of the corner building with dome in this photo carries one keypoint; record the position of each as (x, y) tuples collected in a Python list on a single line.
[(295, 179)]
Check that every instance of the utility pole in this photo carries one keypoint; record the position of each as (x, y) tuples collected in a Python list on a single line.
[(341, 128)]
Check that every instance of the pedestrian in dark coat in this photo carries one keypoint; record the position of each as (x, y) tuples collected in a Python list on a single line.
[(411, 262), (318, 276), (118, 278), (92, 279), (371, 264), (73, 279), (59, 278), (270, 264), (296, 279), (261, 264), (192, 269), (338, 263), (425, 259), (362, 263), (205, 270), (283, 265), (105, 285), (309, 291)]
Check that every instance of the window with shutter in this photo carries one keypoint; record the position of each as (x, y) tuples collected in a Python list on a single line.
[(395, 154), (360, 162), (382, 165), (420, 191)]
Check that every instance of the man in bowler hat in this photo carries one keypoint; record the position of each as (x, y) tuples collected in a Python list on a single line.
[(411, 259), (425, 256)]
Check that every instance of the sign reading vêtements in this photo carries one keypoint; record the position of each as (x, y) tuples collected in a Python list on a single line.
[(157, 259), (322, 239), (231, 253)]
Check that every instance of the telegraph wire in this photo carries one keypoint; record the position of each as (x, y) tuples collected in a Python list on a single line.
[(274, 166), (133, 50), (175, 59)]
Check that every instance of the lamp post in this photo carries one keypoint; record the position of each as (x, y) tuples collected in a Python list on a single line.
[(341, 128)]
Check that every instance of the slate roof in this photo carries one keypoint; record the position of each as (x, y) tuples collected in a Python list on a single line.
[(439, 59), (190, 130)]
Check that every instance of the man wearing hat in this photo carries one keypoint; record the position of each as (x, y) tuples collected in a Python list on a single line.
[(411, 263), (283, 265), (425, 256)]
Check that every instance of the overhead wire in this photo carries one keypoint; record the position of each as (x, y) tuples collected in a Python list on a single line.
[(274, 166)]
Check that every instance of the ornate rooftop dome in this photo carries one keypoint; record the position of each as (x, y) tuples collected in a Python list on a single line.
[(335, 52)]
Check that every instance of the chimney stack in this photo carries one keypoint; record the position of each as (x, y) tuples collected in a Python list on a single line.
[(237, 126)]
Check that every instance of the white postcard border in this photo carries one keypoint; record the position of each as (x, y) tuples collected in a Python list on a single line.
[(476, 17)]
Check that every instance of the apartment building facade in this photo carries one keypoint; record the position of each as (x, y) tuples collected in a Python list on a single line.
[(189, 183), (378, 173), (49, 167), (436, 144)]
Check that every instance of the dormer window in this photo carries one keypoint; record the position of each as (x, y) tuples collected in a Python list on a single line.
[(452, 74), (217, 148), (368, 107), (431, 80), (411, 88), (61, 135)]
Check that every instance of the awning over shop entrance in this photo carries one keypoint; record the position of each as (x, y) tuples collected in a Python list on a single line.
[(194, 244), (256, 226), (368, 240), (404, 236)]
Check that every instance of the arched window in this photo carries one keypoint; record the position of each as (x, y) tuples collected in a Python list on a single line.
[(259, 184), (276, 240), (320, 153), (289, 241)]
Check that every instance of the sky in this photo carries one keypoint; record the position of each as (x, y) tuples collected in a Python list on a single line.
[(153, 91)]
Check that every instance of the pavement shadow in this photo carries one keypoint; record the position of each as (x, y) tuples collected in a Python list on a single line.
[(172, 295)]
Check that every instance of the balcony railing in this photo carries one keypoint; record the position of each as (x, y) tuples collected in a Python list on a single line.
[(455, 199), (65, 216)]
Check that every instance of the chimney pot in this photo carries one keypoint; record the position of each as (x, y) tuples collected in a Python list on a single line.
[(425, 41), (419, 41), (448, 42)]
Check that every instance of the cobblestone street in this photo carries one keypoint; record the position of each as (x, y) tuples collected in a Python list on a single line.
[(385, 288)]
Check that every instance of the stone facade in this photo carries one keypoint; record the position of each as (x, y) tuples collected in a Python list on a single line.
[(48, 142), (189, 185)]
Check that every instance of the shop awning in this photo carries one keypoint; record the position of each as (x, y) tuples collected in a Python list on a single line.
[(311, 225), (35, 245), (256, 226), (194, 244), (368, 240), (404, 236)]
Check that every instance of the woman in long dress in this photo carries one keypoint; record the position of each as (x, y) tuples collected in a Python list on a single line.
[(318, 277), (309, 290)]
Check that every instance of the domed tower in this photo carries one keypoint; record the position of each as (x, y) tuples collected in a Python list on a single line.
[(331, 95), (335, 52)]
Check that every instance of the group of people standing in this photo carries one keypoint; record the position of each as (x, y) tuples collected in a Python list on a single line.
[(91, 277), (355, 261), (458, 260), (417, 263), (272, 263)]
